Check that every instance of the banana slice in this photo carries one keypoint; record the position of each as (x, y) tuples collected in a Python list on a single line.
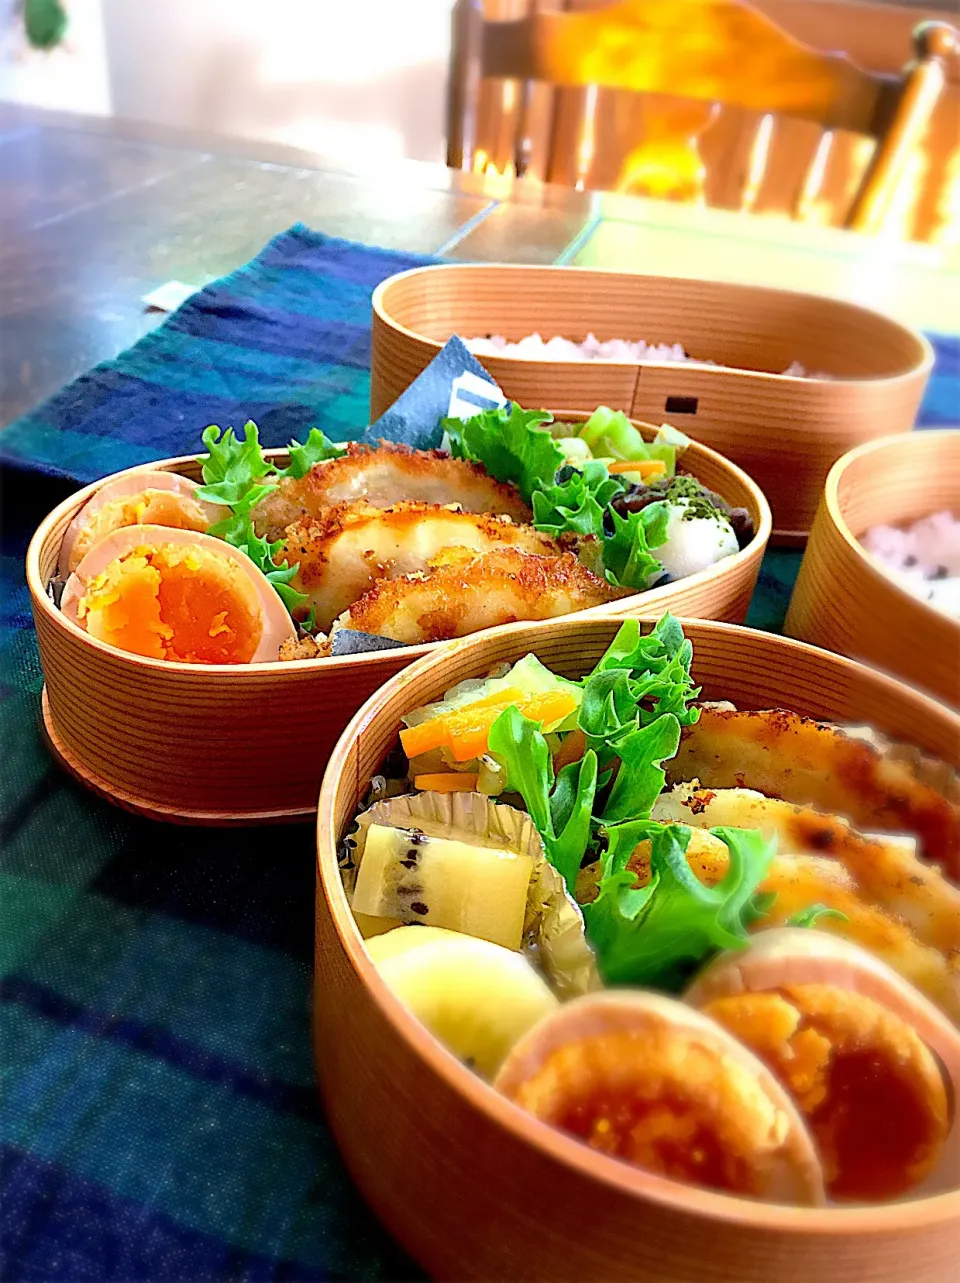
[(369, 926), (389, 944), (475, 997)]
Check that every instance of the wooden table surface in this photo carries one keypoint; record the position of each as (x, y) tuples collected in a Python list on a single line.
[(96, 212)]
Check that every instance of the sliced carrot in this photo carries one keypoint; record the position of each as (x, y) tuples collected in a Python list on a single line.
[(452, 782), (436, 731), (646, 468), (464, 732), (549, 708), (471, 741), (571, 750)]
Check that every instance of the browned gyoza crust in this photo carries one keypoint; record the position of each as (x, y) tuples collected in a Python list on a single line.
[(462, 594), (809, 763), (342, 553), (384, 475)]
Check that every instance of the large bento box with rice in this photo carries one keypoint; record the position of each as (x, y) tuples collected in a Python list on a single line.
[(782, 383)]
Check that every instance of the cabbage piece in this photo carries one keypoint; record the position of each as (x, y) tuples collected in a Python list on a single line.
[(609, 433)]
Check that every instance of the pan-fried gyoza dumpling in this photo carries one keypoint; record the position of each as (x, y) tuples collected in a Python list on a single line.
[(784, 755)]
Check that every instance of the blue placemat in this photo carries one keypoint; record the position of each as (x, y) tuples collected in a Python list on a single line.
[(158, 1113), (284, 341), (158, 1116)]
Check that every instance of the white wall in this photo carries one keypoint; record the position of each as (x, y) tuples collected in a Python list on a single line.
[(361, 81), (72, 77)]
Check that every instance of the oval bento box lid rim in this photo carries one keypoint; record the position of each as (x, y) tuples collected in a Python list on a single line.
[(72, 504), (925, 354), (712, 1205), (831, 500)]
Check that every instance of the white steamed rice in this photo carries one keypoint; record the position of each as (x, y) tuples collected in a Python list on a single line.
[(923, 558), (535, 348)]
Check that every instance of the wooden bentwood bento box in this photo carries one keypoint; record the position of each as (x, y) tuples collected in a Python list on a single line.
[(843, 600), (477, 1189), (245, 744)]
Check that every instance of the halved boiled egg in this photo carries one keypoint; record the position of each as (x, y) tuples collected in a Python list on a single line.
[(871, 1063), (177, 595), (143, 498), (648, 1080)]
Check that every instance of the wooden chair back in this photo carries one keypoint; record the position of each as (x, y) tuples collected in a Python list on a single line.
[(702, 53)]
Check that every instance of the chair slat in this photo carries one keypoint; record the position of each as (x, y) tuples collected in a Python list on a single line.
[(685, 49), (550, 94)]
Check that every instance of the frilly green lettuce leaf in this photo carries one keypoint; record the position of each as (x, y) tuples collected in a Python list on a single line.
[(627, 557), (510, 443), (659, 665), (812, 914), (659, 934), (316, 449), (640, 777), (561, 807), (234, 467), (576, 501), (233, 475)]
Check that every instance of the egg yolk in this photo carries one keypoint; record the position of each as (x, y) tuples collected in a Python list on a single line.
[(870, 1088), (178, 603), (148, 507), (662, 1102)]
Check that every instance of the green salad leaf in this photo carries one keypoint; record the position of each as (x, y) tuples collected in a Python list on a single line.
[(659, 665), (235, 475), (575, 502), (760, 905), (564, 807), (640, 777), (316, 449), (627, 558), (238, 530), (657, 934), (608, 710), (622, 733), (234, 470), (511, 443), (561, 807)]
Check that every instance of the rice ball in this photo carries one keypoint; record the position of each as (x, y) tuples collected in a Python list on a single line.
[(694, 542)]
